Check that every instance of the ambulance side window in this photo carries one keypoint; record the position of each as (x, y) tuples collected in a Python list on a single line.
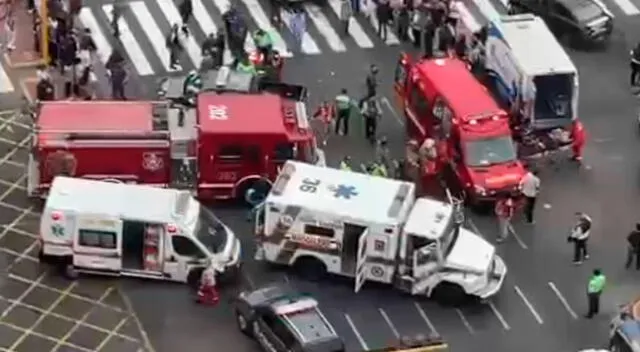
[(185, 247), (96, 238), (230, 153)]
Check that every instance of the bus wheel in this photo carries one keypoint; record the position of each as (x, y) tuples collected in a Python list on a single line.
[(448, 294), (310, 268)]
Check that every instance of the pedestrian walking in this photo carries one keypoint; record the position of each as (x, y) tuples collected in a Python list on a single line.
[(118, 78), (355, 5), (346, 12), (530, 187), (635, 66), (579, 236), (504, 209), (116, 14), (633, 247), (371, 112), (344, 104), (596, 285), (371, 84), (323, 117), (186, 10), (383, 15), (207, 291), (10, 33), (174, 45), (298, 24)]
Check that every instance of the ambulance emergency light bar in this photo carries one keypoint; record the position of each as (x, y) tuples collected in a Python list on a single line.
[(302, 305)]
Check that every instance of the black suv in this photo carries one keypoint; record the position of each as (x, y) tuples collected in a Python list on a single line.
[(282, 320), (578, 21)]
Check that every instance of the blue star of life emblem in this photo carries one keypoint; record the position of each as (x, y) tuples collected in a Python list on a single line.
[(57, 230), (344, 191)]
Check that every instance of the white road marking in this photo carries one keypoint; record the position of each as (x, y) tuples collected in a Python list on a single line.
[(426, 319), (465, 321), (5, 82), (467, 17), (170, 12), (517, 237), (362, 342), (563, 300), (355, 29), (25, 293), (154, 34), (325, 27), (528, 304), (387, 103), (498, 315), (261, 19), (389, 323), (474, 227), (103, 47), (130, 44), (627, 7)]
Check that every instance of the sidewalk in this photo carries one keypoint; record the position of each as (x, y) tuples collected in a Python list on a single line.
[(25, 54)]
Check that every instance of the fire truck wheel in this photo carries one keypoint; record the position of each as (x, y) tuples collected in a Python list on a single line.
[(310, 268), (193, 279), (243, 324), (448, 294)]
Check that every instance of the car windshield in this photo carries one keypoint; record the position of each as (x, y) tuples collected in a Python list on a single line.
[(490, 151), (210, 231), (588, 11)]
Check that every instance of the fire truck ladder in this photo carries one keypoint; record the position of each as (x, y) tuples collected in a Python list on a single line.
[(181, 123)]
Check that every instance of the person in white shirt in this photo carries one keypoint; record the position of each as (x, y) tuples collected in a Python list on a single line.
[(530, 187), (579, 236)]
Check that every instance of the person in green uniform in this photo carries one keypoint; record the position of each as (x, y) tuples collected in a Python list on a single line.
[(264, 43), (245, 65), (192, 86), (595, 287), (379, 170), (345, 164), (344, 104)]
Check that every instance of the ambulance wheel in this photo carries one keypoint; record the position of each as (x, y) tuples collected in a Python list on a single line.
[(310, 268), (448, 294), (243, 324)]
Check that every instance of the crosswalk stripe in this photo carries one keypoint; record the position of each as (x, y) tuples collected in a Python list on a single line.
[(355, 29), (325, 28), (5, 82), (171, 14), (391, 37), (466, 17), (152, 31), (627, 7), (204, 20), (309, 45), (89, 21), (261, 19), (130, 44)]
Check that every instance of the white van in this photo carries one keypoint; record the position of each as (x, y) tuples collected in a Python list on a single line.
[(131, 230)]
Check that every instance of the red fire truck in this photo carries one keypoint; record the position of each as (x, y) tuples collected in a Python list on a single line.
[(442, 100), (217, 149)]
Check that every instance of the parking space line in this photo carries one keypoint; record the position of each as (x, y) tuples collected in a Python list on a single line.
[(465, 321), (17, 254), (15, 221), (563, 300), (389, 322), (6, 193), (17, 208), (127, 303), (32, 285), (6, 124), (498, 315), (528, 304), (68, 319), (386, 102), (42, 316), (72, 295), (517, 237), (43, 336), (79, 323), (112, 334), (362, 342), (6, 183), (22, 232), (426, 319), (13, 163)]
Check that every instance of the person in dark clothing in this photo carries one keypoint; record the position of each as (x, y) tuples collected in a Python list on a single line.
[(633, 250), (115, 59), (118, 79), (635, 66), (371, 83), (236, 30), (45, 91), (428, 33), (186, 10), (86, 41), (116, 13), (404, 22), (175, 47), (383, 15)]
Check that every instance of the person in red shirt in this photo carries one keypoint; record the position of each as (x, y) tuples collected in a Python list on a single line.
[(579, 139), (324, 118), (207, 292), (505, 207)]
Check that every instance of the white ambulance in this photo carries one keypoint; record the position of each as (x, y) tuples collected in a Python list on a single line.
[(132, 230), (323, 220)]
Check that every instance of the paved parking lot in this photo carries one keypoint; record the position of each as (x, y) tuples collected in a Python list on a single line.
[(41, 311)]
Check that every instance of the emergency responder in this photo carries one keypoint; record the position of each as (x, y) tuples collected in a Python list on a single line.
[(264, 44), (378, 169), (578, 140), (174, 45), (579, 236), (345, 164), (635, 66), (505, 208), (596, 285), (371, 83), (207, 291), (45, 90), (192, 86), (344, 104), (633, 248), (371, 112), (245, 65), (186, 10)]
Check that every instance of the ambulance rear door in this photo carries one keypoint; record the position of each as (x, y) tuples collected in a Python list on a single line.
[(97, 243), (361, 263)]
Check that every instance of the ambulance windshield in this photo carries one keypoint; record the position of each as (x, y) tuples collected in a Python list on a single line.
[(210, 231), (489, 151)]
